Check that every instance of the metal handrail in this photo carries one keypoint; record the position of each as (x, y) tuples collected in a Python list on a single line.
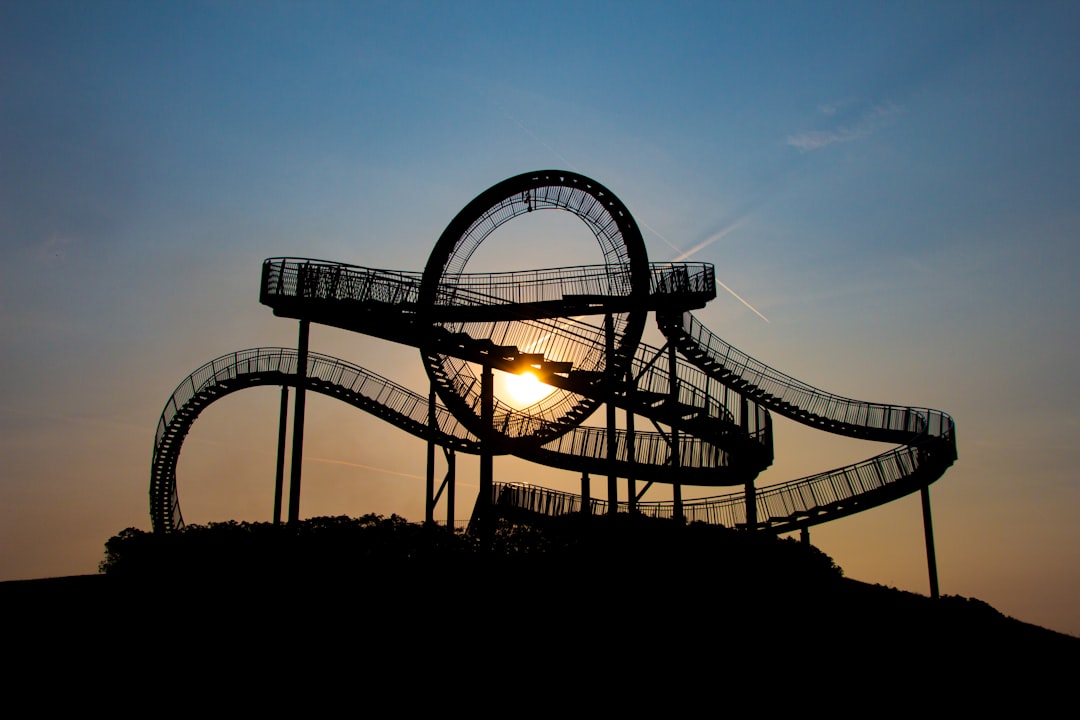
[(776, 389), (328, 280), (395, 403)]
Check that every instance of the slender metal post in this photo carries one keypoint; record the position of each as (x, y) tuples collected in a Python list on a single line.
[(751, 505), (612, 444), (676, 456), (631, 457), (751, 490), (804, 534), (451, 479), (298, 422), (429, 497), (279, 477), (586, 495), (928, 530), (487, 417)]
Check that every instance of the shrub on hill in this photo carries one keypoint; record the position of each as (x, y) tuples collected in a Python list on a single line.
[(342, 547)]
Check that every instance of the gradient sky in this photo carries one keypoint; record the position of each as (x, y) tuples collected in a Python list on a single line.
[(894, 186)]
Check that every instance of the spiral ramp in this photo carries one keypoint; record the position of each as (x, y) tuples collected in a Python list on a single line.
[(579, 330)]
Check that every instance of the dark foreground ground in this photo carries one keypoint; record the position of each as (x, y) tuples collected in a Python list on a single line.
[(630, 620)]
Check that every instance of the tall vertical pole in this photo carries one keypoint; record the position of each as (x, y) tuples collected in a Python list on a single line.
[(751, 490), (928, 530), (631, 457), (279, 477), (429, 496), (586, 495), (451, 480), (676, 456), (487, 418), (298, 422), (751, 505), (612, 444)]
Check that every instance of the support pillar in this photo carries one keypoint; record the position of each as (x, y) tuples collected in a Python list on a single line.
[(487, 418), (429, 493), (586, 495), (279, 477), (751, 490), (631, 457), (676, 455), (804, 534), (928, 530), (612, 439), (751, 505), (451, 479), (298, 422)]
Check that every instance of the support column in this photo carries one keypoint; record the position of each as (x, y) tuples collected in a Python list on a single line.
[(751, 505), (487, 418), (751, 490), (676, 455), (586, 495), (928, 530), (612, 440), (804, 534), (298, 422), (429, 495), (279, 477), (631, 457), (451, 479)]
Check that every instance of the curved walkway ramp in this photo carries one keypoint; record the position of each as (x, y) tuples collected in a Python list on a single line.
[(927, 447), (579, 330), (277, 366), (537, 321), (581, 449)]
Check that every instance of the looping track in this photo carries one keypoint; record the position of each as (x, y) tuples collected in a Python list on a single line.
[(578, 329)]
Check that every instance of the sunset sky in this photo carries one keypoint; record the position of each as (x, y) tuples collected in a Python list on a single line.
[(892, 188)]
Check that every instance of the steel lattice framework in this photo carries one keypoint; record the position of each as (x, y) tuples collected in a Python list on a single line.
[(579, 329)]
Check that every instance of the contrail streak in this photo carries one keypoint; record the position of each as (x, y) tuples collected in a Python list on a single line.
[(698, 248), (736, 296), (534, 136), (329, 461), (682, 255)]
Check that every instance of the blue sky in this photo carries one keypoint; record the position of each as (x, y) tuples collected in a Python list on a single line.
[(893, 186)]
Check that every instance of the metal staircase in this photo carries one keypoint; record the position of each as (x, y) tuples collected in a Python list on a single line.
[(579, 330)]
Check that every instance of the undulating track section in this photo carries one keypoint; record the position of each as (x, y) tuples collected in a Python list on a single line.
[(926, 437), (581, 449), (277, 366), (579, 330)]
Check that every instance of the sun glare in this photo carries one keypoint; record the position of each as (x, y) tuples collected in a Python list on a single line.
[(525, 389)]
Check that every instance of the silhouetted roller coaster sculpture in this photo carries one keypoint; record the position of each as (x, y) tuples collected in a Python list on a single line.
[(579, 330)]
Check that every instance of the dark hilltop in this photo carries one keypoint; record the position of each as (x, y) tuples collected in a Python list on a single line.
[(583, 592)]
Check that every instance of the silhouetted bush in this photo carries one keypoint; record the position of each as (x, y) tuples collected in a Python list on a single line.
[(245, 550), (343, 548)]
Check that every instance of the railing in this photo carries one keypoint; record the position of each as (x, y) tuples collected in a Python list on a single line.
[(775, 389), (306, 278), (406, 409), (650, 450), (321, 369), (780, 507), (720, 383)]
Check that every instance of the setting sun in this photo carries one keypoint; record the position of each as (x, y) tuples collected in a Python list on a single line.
[(525, 388)]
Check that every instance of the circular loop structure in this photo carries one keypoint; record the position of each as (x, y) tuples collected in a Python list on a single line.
[(580, 329), (627, 274)]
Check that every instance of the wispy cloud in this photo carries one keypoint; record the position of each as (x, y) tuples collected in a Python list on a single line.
[(864, 122)]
